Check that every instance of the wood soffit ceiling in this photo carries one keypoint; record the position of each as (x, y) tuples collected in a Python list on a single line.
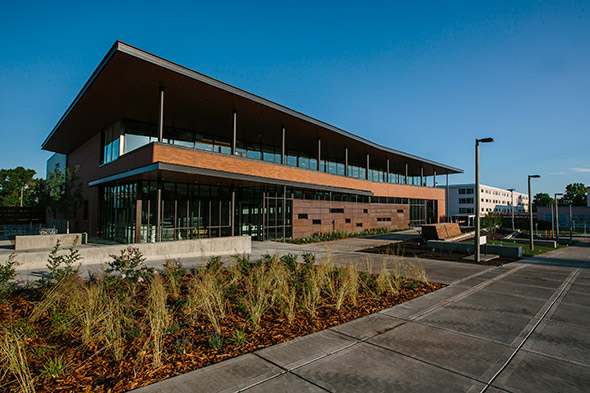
[(126, 83)]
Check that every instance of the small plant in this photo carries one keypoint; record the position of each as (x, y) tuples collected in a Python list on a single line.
[(216, 341), (61, 267), (244, 264), (41, 351), (290, 261), (309, 259), (53, 368), (182, 345), (239, 337), (214, 264), (7, 275), (129, 265)]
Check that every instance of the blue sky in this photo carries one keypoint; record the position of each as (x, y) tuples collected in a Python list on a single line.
[(426, 78)]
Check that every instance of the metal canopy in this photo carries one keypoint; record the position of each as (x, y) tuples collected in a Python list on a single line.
[(126, 83)]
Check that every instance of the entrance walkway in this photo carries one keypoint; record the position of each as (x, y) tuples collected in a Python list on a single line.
[(522, 327)]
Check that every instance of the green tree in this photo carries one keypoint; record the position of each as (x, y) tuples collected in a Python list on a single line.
[(61, 192), (492, 220), (542, 199), (15, 183), (575, 194)]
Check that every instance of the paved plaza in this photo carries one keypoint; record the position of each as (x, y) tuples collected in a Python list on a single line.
[(521, 327)]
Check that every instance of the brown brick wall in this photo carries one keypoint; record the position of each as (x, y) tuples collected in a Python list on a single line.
[(88, 157), (201, 159), (365, 214)]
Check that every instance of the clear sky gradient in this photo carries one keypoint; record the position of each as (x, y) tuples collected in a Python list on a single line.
[(426, 78)]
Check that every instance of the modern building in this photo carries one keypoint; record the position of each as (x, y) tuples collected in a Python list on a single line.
[(167, 153), (576, 216), (461, 202)]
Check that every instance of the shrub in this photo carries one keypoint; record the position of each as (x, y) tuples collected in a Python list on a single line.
[(214, 264), (7, 275), (290, 261), (129, 265), (61, 267)]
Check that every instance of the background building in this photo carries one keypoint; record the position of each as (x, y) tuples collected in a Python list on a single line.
[(166, 153), (461, 202), (580, 217)]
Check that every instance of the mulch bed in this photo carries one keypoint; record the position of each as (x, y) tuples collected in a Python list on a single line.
[(91, 367)]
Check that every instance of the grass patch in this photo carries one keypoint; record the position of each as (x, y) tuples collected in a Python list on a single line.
[(526, 250)]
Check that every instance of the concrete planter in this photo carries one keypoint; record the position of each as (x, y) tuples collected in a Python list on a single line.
[(96, 254), (31, 242)]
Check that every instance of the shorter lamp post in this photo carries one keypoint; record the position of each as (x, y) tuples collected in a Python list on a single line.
[(477, 196), (571, 229), (557, 216), (531, 242)]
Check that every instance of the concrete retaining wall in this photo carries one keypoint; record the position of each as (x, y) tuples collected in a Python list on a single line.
[(31, 242), (95, 254), (497, 249)]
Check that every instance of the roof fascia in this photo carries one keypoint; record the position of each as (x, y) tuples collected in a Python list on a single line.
[(94, 75)]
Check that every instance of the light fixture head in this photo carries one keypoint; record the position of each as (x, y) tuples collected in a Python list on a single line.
[(484, 140), (534, 176)]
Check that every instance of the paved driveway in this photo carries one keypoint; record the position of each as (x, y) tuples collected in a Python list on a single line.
[(522, 327)]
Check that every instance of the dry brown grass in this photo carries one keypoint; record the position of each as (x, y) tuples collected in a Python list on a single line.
[(258, 296), (13, 359), (207, 295), (159, 317)]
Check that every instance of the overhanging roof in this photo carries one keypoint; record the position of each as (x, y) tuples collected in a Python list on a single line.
[(125, 85)]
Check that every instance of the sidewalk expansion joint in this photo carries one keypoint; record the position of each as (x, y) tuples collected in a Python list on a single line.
[(465, 293), (283, 372), (548, 307)]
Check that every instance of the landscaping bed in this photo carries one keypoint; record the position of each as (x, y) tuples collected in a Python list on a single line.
[(133, 327), (417, 249)]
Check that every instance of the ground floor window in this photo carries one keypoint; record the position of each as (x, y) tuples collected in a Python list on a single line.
[(129, 212)]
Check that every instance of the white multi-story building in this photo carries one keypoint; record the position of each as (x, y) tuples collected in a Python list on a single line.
[(461, 202)]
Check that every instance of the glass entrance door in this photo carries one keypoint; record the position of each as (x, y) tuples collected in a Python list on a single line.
[(249, 219)]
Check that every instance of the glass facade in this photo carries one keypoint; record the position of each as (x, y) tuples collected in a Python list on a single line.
[(193, 211), (111, 138)]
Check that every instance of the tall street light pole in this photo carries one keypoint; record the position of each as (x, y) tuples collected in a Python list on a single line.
[(557, 217), (531, 241), (477, 197), (512, 205)]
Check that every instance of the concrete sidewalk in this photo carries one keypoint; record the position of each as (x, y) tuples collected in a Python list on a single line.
[(522, 327)]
